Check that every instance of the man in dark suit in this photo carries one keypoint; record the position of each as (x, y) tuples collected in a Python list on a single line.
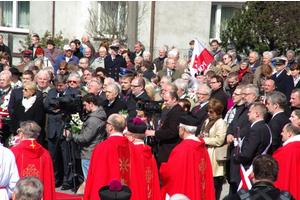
[(203, 94), (113, 104), (168, 134), (170, 70), (276, 102), (113, 63), (138, 93), (95, 87), (147, 70), (216, 84), (283, 82), (259, 138), (35, 44), (249, 95), (138, 51), (56, 141)]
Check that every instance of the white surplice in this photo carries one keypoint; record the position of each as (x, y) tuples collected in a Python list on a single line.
[(9, 174)]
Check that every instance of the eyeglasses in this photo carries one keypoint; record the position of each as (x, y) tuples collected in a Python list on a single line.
[(236, 94), (246, 94), (106, 123), (62, 68), (212, 82), (73, 81), (210, 111), (135, 86), (201, 93), (25, 89)]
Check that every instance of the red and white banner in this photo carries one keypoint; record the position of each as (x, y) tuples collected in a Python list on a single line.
[(201, 58)]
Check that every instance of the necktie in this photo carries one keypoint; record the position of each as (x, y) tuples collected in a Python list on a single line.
[(170, 73), (197, 109)]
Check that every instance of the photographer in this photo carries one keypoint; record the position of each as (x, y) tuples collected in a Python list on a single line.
[(92, 132), (56, 142)]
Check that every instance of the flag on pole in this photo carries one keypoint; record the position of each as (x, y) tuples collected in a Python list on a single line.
[(201, 58)]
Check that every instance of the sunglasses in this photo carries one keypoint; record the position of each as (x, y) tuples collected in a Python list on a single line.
[(210, 111), (25, 89), (72, 81), (62, 68)]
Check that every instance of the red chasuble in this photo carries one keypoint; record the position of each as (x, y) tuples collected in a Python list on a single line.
[(288, 158), (33, 160), (188, 171), (115, 158), (151, 172)]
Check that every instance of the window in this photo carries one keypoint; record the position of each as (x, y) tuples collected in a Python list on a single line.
[(14, 14), (113, 19), (220, 14)]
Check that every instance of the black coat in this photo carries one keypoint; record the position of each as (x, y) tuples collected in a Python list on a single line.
[(220, 95), (255, 143), (7, 50), (240, 120), (35, 113), (101, 99), (54, 119), (133, 56), (115, 107), (276, 125), (78, 54), (168, 135), (201, 115), (284, 83), (148, 74), (113, 66)]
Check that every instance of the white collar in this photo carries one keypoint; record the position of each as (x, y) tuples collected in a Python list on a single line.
[(192, 137), (292, 139), (138, 143)]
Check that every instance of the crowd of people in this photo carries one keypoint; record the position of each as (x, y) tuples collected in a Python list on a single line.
[(87, 117)]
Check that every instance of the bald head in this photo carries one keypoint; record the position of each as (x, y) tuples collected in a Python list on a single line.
[(269, 86), (115, 124)]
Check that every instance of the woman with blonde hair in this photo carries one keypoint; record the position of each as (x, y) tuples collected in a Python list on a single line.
[(213, 132)]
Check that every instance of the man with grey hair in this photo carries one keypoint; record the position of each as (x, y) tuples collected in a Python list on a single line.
[(99, 62), (29, 187), (86, 42), (170, 70), (276, 102), (113, 104), (138, 51), (107, 81), (95, 87), (159, 61), (182, 91), (42, 80), (267, 60), (88, 54), (163, 81), (203, 95), (74, 80), (290, 54), (253, 60), (195, 155), (84, 62), (30, 154), (138, 62)]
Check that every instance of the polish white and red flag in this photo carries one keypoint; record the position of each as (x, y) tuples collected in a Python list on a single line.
[(201, 58)]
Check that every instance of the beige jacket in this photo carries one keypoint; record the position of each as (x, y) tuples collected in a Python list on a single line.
[(216, 138)]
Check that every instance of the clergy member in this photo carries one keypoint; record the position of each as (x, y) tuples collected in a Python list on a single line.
[(288, 158), (33, 160), (136, 133), (188, 170), (115, 158)]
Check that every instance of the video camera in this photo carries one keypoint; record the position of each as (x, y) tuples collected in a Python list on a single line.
[(69, 104), (150, 107)]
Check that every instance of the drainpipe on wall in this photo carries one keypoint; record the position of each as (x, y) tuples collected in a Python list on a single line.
[(53, 17), (152, 28)]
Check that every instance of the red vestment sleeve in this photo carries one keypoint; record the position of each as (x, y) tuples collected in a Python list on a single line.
[(33, 160), (288, 158), (188, 171), (115, 158)]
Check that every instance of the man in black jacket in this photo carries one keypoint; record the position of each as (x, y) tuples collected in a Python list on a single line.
[(6, 49), (258, 140), (216, 84), (113, 63)]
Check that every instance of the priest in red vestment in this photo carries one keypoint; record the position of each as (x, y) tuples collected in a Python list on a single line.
[(136, 133), (188, 170), (115, 158), (33, 160), (288, 158)]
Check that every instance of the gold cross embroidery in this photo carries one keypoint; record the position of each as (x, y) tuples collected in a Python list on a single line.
[(32, 144), (124, 165), (31, 171)]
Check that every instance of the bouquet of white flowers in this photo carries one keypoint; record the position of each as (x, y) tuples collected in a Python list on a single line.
[(76, 128)]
